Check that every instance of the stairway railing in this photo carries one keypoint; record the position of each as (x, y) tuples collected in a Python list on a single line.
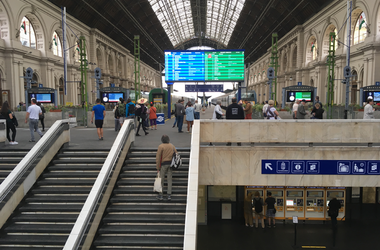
[(86, 225), (25, 174), (190, 237)]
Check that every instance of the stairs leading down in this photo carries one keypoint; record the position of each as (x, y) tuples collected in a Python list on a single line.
[(9, 158), (134, 218), (46, 215)]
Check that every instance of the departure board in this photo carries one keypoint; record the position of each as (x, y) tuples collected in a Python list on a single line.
[(204, 65)]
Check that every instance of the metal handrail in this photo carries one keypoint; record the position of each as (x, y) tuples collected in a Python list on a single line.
[(82, 223), (30, 158)]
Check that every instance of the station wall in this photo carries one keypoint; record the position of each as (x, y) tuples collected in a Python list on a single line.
[(116, 62)]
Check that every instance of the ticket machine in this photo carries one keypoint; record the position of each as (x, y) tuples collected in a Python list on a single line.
[(253, 189), (315, 203), (294, 203), (278, 195), (340, 195)]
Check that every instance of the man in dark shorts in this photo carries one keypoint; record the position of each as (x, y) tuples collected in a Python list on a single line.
[(270, 201), (100, 112)]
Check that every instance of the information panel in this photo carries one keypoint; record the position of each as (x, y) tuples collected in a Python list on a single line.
[(211, 65), (321, 167)]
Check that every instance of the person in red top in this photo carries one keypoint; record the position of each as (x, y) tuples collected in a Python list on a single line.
[(153, 116)]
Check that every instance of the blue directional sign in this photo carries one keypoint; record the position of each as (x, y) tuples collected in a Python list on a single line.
[(321, 167), (204, 88), (40, 85), (299, 83), (112, 85), (377, 83)]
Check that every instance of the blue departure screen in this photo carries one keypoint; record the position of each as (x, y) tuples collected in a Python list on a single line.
[(194, 65)]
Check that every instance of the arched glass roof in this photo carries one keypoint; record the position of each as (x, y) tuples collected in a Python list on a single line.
[(222, 16), (176, 19)]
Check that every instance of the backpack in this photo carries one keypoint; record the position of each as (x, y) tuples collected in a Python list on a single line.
[(258, 206), (121, 110), (131, 109), (176, 160)]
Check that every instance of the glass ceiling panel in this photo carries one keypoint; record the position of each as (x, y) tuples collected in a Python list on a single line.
[(176, 19), (222, 16)]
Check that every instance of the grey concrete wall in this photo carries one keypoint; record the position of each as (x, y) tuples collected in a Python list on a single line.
[(242, 166)]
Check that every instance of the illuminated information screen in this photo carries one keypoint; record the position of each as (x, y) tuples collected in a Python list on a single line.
[(214, 65)]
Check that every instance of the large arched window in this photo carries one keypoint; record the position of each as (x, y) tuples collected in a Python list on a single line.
[(57, 47), (311, 49), (27, 35), (360, 31)]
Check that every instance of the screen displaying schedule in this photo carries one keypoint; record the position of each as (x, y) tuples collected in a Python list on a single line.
[(212, 65)]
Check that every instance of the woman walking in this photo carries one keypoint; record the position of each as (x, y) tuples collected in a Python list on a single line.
[(42, 116), (7, 114), (153, 116), (189, 116), (141, 115)]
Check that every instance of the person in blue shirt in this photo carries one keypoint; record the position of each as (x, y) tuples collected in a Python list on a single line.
[(100, 112), (130, 112), (189, 116)]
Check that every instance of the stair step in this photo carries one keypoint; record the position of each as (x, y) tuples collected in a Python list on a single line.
[(145, 241), (51, 208), (146, 190), (38, 218), (41, 240), (150, 160), (78, 161), (145, 229), (38, 228), (149, 182), (153, 174), (144, 218), (63, 190), (71, 174), (146, 199), (57, 199), (62, 182), (156, 208)]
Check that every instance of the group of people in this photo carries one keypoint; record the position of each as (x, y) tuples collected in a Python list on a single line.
[(34, 114), (257, 204), (299, 109), (190, 111)]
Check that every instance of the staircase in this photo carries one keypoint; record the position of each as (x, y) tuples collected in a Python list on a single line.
[(45, 217), (134, 218), (9, 158)]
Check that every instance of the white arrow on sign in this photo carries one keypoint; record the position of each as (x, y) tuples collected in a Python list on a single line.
[(268, 165)]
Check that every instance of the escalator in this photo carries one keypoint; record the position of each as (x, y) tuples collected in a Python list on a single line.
[(9, 158), (46, 215), (134, 218)]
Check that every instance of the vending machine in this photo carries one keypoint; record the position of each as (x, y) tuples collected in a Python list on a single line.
[(340, 194), (253, 189), (294, 203), (278, 195), (315, 203)]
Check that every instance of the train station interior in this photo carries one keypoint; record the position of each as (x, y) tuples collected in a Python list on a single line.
[(72, 188)]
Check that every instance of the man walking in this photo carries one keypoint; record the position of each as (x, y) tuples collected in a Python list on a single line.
[(301, 110), (33, 113), (197, 110), (163, 160), (234, 112), (180, 111), (100, 112)]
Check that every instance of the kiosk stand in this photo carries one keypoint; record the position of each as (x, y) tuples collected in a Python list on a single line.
[(365, 92), (292, 93), (340, 195), (278, 195), (315, 203), (43, 95), (294, 203)]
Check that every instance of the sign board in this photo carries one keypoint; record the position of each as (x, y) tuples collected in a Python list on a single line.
[(204, 65), (321, 167), (112, 85), (40, 85), (295, 219), (204, 88), (299, 83), (160, 119), (157, 100), (377, 84)]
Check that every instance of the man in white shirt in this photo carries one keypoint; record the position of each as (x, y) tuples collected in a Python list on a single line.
[(33, 113), (368, 109), (197, 110), (295, 108), (218, 110)]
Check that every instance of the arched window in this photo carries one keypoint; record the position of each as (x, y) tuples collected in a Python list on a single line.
[(61, 92), (27, 35), (360, 31), (313, 50), (57, 47)]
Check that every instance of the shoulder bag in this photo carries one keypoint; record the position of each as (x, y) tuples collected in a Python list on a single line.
[(176, 160)]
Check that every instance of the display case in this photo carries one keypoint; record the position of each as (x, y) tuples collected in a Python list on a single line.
[(294, 203), (340, 195), (315, 203), (278, 195)]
